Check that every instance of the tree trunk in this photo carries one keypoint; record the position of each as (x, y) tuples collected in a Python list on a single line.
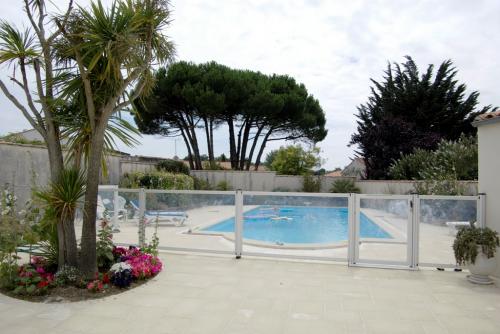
[(212, 137), (252, 149), (244, 143), (188, 146), (67, 247), (211, 159), (238, 150), (88, 260), (262, 147), (191, 135), (232, 146)]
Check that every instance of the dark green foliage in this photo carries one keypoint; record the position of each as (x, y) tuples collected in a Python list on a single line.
[(173, 166), (157, 180), (468, 240), (256, 108), (345, 186), (409, 110), (311, 184)]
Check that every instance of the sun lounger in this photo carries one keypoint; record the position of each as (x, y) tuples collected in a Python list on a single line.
[(162, 216)]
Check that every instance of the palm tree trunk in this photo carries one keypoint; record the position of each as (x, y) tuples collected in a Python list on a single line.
[(67, 248), (88, 259)]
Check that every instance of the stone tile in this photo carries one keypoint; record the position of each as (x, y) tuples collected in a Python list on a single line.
[(201, 294)]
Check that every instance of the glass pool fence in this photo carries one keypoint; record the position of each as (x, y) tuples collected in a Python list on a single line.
[(363, 230)]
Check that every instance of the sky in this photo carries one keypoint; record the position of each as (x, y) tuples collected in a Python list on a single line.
[(333, 47)]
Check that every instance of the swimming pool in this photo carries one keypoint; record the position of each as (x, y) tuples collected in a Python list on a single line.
[(299, 225)]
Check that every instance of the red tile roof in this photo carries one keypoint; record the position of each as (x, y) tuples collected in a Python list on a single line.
[(488, 115)]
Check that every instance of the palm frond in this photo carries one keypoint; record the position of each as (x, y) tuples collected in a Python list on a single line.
[(16, 45)]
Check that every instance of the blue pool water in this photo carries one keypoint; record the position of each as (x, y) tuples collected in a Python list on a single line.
[(299, 225)]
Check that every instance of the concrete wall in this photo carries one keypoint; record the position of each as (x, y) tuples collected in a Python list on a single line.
[(489, 179), (20, 162), (21, 167), (259, 181), (269, 181)]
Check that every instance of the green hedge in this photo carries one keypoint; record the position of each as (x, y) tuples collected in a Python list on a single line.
[(157, 180), (173, 166)]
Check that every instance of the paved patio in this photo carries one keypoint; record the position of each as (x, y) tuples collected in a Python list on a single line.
[(203, 294)]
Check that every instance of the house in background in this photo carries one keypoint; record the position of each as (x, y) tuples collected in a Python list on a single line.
[(355, 169)]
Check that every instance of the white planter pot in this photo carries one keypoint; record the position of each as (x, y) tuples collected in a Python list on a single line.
[(481, 269)]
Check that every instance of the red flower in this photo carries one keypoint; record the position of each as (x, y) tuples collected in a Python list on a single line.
[(105, 278), (42, 284)]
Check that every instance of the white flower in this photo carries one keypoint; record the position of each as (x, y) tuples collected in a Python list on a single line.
[(119, 267)]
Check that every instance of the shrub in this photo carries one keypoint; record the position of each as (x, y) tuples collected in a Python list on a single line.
[(441, 169), (344, 186), (173, 166), (469, 238), (157, 180), (223, 186), (201, 184), (104, 247), (311, 184)]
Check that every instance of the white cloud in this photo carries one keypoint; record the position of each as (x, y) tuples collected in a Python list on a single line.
[(333, 47)]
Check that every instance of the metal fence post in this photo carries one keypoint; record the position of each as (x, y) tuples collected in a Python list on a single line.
[(414, 232), (351, 241), (238, 227), (481, 210), (114, 224), (142, 218)]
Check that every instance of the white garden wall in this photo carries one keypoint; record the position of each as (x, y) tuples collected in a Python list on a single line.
[(489, 170)]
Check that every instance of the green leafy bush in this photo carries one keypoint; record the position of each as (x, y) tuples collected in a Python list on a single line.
[(157, 180), (311, 184), (294, 160), (344, 186), (470, 238), (104, 247), (201, 184), (173, 166), (223, 186), (450, 162)]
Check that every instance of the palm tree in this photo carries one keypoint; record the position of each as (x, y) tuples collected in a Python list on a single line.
[(61, 201), (112, 52), (30, 51)]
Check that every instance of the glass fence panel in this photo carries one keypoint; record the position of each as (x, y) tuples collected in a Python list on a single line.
[(187, 220), (382, 230), (304, 226), (439, 221), (127, 218)]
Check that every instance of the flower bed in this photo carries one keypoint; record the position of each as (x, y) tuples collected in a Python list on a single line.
[(34, 281)]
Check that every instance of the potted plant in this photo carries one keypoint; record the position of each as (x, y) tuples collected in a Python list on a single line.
[(476, 248)]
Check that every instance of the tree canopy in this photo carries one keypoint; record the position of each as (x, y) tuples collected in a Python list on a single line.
[(255, 108), (409, 110)]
